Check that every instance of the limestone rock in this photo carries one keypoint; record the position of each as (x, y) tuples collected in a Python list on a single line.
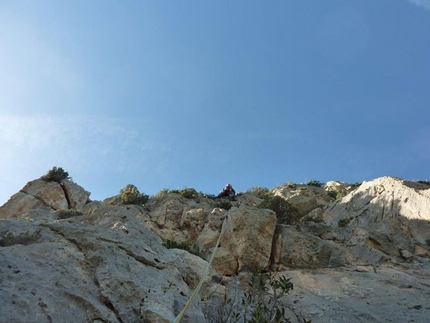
[(304, 197), (248, 236), (388, 214), (19, 205), (76, 195), (90, 272), (224, 262), (50, 193), (304, 250), (362, 258), (358, 294), (340, 189), (211, 231)]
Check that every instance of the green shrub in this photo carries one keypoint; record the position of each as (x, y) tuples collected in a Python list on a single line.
[(189, 193), (131, 195), (56, 174), (162, 192), (286, 213), (340, 194), (343, 222), (315, 183), (290, 185), (260, 191), (423, 182), (261, 303), (332, 194)]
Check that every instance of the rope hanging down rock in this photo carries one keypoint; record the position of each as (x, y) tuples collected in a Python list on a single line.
[(197, 289)]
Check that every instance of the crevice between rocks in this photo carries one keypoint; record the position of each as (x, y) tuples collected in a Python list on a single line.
[(142, 260), (64, 236), (66, 195), (106, 301)]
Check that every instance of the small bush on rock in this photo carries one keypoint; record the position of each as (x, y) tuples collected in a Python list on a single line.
[(131, 195), (315, 183), (189, 193), (261, 303), (162, 192), (286, 213), (56, 174), (424, 182), (260, 191)]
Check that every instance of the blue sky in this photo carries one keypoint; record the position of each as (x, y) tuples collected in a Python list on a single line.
[(173, 94)]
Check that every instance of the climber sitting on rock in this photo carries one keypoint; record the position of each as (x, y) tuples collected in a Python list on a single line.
[(228, 191)]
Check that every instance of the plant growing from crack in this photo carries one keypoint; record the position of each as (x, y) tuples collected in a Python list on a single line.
[(261, 303), (56, 174)]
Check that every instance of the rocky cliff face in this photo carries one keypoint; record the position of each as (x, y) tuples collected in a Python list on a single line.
[(362, 258)]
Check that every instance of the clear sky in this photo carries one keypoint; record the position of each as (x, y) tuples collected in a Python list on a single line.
[(174, 94)]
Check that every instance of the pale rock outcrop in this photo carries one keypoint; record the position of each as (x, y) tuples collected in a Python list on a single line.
[(192, 269), (211, 231), (79, 271), (303, 197), (19, 205), (76, 195), (360, 294), (337, 188), (388, 214), (248, 234), (178, 218), (303, 250), (39, 195), (35, 195), (50, 193), (362, 258), (224, 262)]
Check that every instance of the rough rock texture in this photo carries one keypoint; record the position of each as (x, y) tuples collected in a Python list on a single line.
[(76, 195), (75, 272), (361, 294), (39, 195), (343, 188), (362, 258), (248, 236), (304, 197), (387, 214)]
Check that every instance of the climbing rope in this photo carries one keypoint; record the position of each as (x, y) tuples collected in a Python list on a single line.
[(197, 289)]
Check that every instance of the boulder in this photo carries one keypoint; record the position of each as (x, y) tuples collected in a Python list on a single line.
[(224, 262), (248, 234), (305, 250), (303, 197), (20, 204), (76, 195)]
